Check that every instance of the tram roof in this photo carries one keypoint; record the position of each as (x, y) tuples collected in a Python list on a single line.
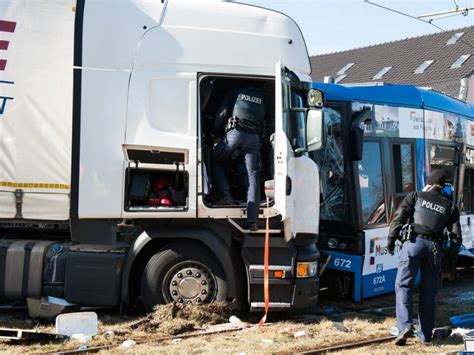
[(397, 95)]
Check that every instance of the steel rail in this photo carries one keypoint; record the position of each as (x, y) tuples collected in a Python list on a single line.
[(357, 344)]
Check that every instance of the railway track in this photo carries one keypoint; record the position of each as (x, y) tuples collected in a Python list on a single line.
[(346, 346)]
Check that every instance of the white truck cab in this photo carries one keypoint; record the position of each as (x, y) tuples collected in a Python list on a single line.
[(105, 138)]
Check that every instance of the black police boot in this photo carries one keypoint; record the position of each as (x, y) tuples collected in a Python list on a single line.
[(252, 226), (403, 336)]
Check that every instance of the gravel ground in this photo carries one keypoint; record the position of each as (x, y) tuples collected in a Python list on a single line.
[(371, 319)]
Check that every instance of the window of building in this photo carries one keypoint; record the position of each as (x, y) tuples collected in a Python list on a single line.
[(381, 73), (423, 66), (454, 38), (371, 185), (460, 61), (345, 68)]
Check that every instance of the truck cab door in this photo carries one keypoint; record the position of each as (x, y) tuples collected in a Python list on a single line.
[(296, 179)]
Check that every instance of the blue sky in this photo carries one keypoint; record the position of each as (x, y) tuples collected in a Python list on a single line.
[(336, 25)]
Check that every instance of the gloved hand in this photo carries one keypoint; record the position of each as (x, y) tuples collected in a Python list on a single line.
[(391, 246)]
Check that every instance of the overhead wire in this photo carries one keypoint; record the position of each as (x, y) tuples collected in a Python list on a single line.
[(429, 22)]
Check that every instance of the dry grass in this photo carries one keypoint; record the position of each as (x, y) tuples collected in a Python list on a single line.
[(277, 337)]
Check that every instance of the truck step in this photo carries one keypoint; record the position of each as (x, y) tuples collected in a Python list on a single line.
[(248, 231), (273, 305)]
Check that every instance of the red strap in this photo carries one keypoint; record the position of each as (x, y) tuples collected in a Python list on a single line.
[(265, 269)]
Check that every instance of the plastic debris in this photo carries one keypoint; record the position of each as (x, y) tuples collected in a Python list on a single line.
[(81, 338), (394, 331), (110, 334), (234, 320), (287, 330), (461, 332), (301, 334), (267, 341), (340, 327), (77, 323), (83, 347), (129, 343)]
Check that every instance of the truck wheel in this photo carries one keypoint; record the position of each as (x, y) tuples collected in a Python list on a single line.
[(182, 274)]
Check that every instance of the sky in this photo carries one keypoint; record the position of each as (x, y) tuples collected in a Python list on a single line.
[(337, 25)]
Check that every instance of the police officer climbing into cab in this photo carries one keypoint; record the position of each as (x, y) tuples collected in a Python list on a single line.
[(423, 216), (242, 113)]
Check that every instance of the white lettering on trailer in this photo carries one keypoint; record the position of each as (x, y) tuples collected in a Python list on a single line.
[(433, 206)]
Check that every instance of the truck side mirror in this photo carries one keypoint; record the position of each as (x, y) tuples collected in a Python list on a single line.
[(314, 130)]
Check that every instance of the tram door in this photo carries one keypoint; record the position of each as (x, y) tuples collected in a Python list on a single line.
[(466, 197)]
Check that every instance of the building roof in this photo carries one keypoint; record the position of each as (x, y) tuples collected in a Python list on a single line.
[(404, 57), (396, 95)]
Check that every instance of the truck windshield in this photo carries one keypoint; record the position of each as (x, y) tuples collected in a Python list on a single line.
[(330, 161)]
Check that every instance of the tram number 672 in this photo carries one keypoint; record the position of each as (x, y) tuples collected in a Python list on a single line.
[(345, 263)]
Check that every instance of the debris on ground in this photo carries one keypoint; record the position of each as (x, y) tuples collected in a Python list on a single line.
[(77, 323), (29, 335), (129, 343), (300, 334), (267, 341), (463, 320), (234, 320), (176, 341), (461, 332), (287, 330), (110, 334), (176, 318), (81, 338), (340, 327)]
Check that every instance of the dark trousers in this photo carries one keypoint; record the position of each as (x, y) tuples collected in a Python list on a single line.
[(249, 146), (418, 255)]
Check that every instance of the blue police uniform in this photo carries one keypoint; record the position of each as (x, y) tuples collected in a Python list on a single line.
[(428, 213), (244, 113)]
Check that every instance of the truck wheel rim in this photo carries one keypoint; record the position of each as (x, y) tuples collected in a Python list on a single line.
[(190, 282)]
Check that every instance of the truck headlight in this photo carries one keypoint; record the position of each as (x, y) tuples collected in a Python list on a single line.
[(306, 269)]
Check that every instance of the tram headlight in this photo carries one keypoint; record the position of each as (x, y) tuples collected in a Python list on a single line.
[(343, 245), (332, 243)]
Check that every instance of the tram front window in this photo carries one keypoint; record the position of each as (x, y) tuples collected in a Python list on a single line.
[(331, 165)]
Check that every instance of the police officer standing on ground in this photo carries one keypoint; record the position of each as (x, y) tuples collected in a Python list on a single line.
[(243, 114), (427, 214)]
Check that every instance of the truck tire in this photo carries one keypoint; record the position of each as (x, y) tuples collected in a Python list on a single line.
[(182, 274)]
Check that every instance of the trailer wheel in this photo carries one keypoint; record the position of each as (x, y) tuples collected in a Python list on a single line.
[(182, 274)]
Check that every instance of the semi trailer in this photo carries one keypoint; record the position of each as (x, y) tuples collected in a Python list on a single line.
[(105, 154)]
